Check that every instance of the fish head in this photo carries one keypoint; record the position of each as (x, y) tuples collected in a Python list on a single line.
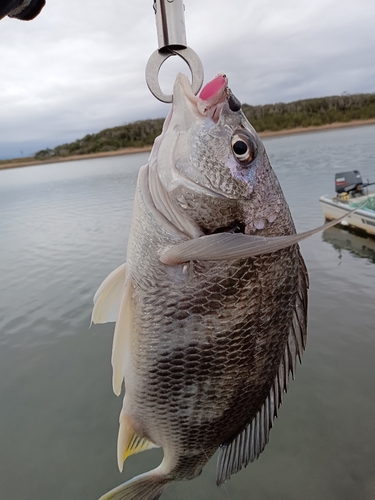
[(211, 161)]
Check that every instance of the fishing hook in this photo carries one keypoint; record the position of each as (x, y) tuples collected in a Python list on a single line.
[(170, 25)]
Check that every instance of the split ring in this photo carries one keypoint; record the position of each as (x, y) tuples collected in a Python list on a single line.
[(157, 59)]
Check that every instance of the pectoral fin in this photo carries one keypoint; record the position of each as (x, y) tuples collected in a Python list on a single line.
[(108, 297), (228, 246), (129, 443)]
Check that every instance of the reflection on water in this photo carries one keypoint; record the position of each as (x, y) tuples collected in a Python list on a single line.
[(357, 245), (63, 228)]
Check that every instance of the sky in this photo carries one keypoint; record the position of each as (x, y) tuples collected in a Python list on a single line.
[(79, 66)]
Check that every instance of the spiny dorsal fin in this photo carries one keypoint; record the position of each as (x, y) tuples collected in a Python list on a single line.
[(248, 445), (129, 443), (108, 297)]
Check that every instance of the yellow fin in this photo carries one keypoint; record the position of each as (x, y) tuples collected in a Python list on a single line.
[(129, 443), (121, 346), (108, 297)]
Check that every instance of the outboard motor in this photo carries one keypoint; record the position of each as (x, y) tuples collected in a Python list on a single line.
[(348, 182)]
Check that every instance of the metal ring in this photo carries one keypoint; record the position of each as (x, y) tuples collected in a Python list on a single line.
[(157, 59)]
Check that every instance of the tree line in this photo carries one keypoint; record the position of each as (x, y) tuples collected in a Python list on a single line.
[(269, 117), (311, 112), (138, 134)]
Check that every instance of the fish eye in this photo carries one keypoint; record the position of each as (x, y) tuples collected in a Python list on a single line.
[(244, 148)]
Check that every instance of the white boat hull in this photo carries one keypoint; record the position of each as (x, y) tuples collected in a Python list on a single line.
[(364, 220)]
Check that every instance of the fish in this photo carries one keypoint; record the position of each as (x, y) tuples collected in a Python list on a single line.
[(211, 304)]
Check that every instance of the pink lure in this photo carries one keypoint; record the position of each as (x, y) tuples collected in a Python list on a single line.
[(214, 87), (212, 97)]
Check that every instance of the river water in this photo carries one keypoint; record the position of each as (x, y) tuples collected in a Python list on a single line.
[(63, 228)]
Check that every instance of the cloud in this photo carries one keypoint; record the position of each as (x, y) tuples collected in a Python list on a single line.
[(78, 68)]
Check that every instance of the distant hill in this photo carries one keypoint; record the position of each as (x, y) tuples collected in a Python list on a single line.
[(311, 112), (138, 134), (269, 117)]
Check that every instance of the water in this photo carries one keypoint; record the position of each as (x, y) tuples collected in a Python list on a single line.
[(64, 227)]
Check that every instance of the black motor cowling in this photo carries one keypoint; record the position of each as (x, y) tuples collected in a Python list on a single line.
[(348, 182)]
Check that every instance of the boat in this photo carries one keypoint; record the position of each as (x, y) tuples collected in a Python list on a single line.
[(351, 193)]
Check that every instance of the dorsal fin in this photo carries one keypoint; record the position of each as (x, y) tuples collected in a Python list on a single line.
[(250, 443)]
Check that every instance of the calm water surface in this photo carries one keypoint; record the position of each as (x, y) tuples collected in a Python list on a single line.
[(64, 227)]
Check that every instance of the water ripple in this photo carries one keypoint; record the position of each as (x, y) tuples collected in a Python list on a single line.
[(63, 228)]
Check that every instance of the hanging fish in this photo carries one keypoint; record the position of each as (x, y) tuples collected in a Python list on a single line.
[(211, 305)]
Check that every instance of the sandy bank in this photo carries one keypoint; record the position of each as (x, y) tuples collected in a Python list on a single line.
[(330, 126), (26, 162)]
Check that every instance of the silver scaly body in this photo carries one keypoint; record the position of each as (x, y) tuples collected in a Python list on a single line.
[(211, 306)]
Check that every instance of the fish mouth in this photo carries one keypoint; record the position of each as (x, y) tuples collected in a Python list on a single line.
[(188, 110), (183, 85), (210, 100)]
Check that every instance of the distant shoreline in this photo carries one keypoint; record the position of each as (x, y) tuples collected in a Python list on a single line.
[(28, 162)]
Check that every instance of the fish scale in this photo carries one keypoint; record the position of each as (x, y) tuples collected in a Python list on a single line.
[(235, 347), (206, 343), (247, 350)]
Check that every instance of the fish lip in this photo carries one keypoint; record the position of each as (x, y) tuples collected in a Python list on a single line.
[(182, 86), (200, 108), (183, 92), (184, 98)]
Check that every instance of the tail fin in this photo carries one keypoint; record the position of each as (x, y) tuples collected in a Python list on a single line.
[(148, 486)]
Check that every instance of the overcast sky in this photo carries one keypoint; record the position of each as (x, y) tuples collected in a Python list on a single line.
[(77, 68)]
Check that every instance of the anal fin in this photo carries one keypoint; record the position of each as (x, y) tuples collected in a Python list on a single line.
[(129, 443)]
